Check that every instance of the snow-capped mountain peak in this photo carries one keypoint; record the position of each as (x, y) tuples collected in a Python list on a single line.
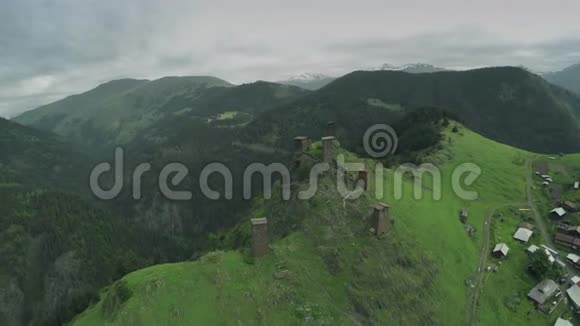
[(307, 76), (411, 68)]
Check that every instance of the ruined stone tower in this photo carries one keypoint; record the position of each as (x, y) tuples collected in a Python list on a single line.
[(331, 129), (328, 149), (260, 245), (301, 144), (363, 178), (381, 218)]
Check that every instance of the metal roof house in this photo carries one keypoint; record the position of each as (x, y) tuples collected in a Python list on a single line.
[(531, 249), (543, 291), (523, 235), (563, 322), (527, 225), (558, 211), (500, 250), (574, 294)]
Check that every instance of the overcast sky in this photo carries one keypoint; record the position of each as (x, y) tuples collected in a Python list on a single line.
[(53, 48)]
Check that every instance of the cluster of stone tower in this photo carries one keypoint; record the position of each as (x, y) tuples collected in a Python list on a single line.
[(380, 221), (302, 143)]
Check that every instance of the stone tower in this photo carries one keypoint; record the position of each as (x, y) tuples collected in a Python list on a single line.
[(381, 219), (301, 144), (331, 129), (328, 149), (363, 177), (260, 245)]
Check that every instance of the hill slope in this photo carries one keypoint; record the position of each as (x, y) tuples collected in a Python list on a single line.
[(568, 78), (508, 105), (57, 249), (337, 272), (114, 112), (125, 116)]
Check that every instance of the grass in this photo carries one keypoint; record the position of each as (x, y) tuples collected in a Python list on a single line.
[(505, 292), (338, 274)]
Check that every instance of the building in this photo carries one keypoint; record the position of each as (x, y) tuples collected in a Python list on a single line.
[(562, 322), (568, 240), (363, 178), (500, 250), (576, 185), (381, 218), (523, 235), (463, 215), (551, 258), (574, 295), (531, 249), (331, 129), (328, 149), (574, 259), (569, 206), (568, 234), (260, 246), (558, 212), (552, 252), (543, 292), (527, 225), (301, 144)]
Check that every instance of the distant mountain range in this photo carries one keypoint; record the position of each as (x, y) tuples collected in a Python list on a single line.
[(310, 81), (506, 104), (568, 78), (314, 81)]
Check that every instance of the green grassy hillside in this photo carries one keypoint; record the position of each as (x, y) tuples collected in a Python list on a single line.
[(339, 274)]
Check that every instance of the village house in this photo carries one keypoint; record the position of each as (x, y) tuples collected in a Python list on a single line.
[(563, 322), (527, 225), (500, 250), (523, 235), (543, 292), (569, 206), (558, 212), (574, 295), (463, 215), (551, 251), (574, 259), (576, 185), (532, 249), (568, 234)]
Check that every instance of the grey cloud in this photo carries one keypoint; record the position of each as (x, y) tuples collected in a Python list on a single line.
[(51, 48)]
